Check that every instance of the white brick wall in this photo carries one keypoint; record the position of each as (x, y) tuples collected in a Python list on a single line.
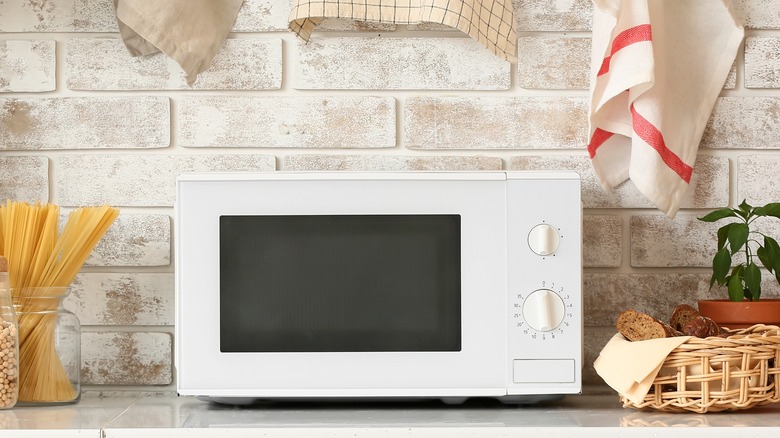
[(26, 65), (491, 122), (328, 122), (569, 69), (92, 122), (104, 64), (83, 123), (138, 180), (398, 64)]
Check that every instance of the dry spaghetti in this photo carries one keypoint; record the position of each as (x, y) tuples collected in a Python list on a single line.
[(42, 264)]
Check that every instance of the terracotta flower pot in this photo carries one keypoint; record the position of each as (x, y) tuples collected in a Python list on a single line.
[(735, 314)]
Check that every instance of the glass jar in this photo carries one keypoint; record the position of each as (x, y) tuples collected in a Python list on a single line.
[(9, 352), (49, 346)]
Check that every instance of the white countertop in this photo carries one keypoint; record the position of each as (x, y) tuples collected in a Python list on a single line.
[(575, 416)]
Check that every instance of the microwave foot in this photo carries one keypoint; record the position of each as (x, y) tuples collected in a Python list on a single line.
[(454, 400), (529, 399), (237, 401)]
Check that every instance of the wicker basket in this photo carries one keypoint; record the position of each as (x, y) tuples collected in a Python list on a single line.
[(718, 374)]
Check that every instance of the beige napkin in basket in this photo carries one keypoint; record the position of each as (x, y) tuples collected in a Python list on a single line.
[(630, 367)]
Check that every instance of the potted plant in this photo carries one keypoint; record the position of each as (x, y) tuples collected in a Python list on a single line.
[(736, 266)]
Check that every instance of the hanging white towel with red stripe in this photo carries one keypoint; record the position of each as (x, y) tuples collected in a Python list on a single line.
[(658, 67)]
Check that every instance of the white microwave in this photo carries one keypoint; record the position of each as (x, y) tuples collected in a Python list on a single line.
[(384, 285)]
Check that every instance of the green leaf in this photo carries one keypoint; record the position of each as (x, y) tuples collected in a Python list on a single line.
[(771, 258), (718, 215), (772, 209), (736, 293), (752, 278), (744, 210), (723, 234), (720, 266), (738, 234), (763, 255), (768, 254)]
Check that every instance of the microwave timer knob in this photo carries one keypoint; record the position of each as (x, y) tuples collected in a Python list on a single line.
[(543, 310), (544, 239)]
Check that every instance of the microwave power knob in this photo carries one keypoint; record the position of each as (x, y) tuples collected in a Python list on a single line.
[(544, 239), (543, 310)]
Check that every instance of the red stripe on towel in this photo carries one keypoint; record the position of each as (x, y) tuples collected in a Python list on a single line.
[(652, 136), (598, 138), (632, 35)]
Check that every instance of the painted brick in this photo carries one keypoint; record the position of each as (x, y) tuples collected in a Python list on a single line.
[(602, 241), (494, 123), (431, 26), (262, 16), (762, 67), (606, 295), (57, 16), (553, 63), (744, 123), (122, 299), (657, 241), (346, 25), (139, 180), (84, 122), (564, 63), (27, 65), (105, 64), (758, 14), (24, 179), (126, 358), (287, 122), (558, 15), (709, 184), (135, 240), (757, 180), (399, 63), (392, 162), (731, 79)]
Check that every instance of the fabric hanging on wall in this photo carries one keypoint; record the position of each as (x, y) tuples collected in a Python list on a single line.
[(188, 31), (490, 22), (657, 69)]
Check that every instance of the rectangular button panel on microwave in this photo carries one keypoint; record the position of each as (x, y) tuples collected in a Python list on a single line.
[(544, 371)]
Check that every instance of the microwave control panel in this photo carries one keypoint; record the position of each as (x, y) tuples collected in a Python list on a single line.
[(544, 285)]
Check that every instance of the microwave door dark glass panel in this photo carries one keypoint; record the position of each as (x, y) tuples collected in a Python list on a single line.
[(340, 283)]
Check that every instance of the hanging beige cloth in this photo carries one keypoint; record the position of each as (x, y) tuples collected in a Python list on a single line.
[(490, 22), (188, 31)]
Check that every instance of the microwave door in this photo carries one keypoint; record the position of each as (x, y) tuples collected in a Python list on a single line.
[(340, 283)]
